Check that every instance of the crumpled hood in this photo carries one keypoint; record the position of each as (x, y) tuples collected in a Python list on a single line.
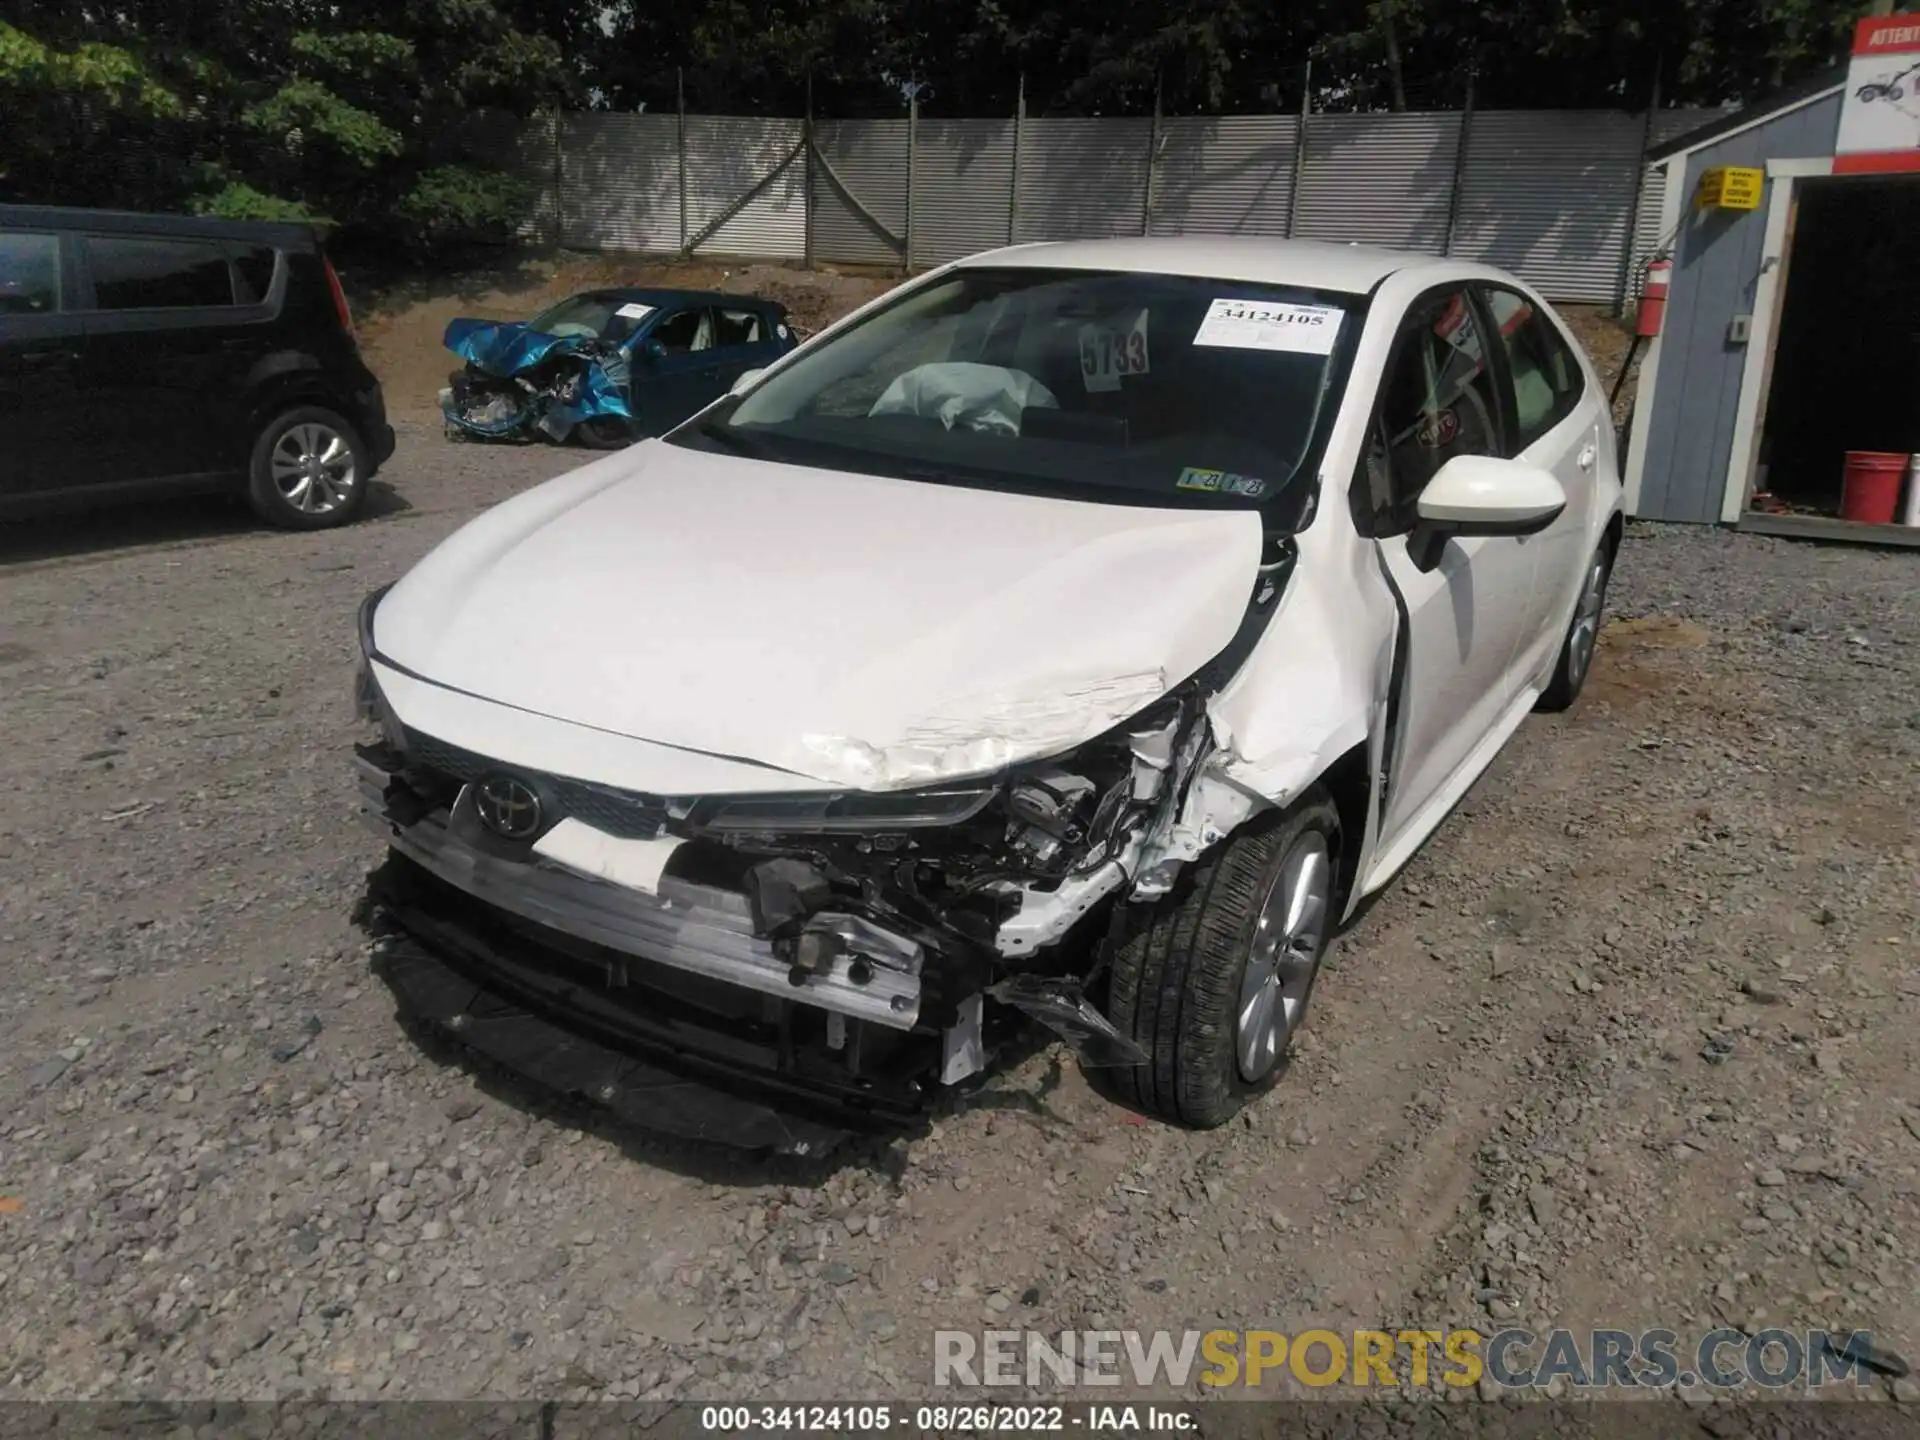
[(507, 347), (866, 632)]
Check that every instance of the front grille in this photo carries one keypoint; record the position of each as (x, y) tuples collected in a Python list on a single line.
[(619, 813), (629, 817), (449, 760)]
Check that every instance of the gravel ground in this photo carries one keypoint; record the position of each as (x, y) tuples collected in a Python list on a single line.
[(1630, 1043)]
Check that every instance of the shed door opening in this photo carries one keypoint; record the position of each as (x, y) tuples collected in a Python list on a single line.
[(1846, 366)]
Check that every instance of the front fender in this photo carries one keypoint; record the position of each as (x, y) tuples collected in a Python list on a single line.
[(1316, 685)]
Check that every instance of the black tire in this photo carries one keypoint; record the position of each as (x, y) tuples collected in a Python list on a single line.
[(604, 432), (1177, 977), (279, 499), (1575, 661)]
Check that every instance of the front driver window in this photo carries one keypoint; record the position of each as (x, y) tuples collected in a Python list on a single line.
[(29, 274), (1436, 401)]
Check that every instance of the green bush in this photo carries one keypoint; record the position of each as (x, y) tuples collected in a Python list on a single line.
[(461, 202), (238, 201)]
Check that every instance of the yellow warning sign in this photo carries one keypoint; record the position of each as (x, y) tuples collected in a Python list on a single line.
[(1732, 187)]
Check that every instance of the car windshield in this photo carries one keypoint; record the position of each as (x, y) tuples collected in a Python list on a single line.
[(1138, 388), (597, 316)]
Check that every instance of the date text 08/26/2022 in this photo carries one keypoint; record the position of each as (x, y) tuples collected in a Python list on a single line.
[(943, 1419)]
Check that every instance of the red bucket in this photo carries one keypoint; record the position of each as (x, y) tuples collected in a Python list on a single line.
[(1870, 491)]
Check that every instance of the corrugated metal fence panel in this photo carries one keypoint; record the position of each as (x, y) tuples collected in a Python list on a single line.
[(1082, 179), (727, 155), (1547, 195), (1225, 175), (620, 182), (524, 149), (1647, 236), (870, 157), (962, 188), (1379, 179)]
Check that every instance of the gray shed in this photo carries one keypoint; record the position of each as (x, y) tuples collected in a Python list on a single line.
[(1752, 388)]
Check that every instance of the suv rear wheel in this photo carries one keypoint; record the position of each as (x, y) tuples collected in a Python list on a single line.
[(1215, 983), (308, 470)]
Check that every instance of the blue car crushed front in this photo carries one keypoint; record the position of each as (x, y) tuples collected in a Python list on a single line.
[(596, 387)]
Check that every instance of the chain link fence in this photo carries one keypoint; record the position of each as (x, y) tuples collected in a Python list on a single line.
[(1559, 197)]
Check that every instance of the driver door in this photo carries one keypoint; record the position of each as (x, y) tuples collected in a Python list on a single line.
[(1465, 617)]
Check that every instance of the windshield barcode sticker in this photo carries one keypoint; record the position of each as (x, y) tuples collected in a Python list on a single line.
[(1270, 325)]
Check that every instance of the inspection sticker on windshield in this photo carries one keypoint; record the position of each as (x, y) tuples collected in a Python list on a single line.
[(1270, 325), (635, 311), (1221, 482)]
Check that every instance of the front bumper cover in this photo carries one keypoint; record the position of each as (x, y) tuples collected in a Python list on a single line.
[(697, 928), (431, 991), (667, 1009)]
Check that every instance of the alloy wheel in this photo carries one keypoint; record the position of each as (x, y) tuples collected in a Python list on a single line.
[(1286, 955), (313, 468), (1586, 620)]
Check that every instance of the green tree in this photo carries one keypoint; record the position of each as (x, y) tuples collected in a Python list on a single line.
[(273, 109)]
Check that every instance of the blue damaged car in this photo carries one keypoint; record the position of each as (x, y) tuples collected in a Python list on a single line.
[(607, 367)]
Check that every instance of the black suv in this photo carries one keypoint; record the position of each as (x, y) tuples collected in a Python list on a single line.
[(143, 353)]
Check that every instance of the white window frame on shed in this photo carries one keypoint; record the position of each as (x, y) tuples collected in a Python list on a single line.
[(1756, 373), (1757, 366)]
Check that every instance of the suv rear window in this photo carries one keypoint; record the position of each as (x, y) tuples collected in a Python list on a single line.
[(253, 274), (152, 274), (29, 274)]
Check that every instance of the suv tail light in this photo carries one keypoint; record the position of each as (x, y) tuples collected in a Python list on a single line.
[(340, 306)]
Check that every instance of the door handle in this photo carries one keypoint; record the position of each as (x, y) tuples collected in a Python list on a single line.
[(46, 357)]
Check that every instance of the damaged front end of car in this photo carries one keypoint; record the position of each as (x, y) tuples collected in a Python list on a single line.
[(839, 955)]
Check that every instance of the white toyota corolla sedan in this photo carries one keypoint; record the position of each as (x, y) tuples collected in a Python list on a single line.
[(1074, 634)]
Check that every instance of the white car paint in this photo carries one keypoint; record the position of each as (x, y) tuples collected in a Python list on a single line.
[(684, 623), (1471, 489), (814, 621)]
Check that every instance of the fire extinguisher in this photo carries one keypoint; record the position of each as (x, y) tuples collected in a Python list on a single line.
[(1653, 299), (1652, 313)]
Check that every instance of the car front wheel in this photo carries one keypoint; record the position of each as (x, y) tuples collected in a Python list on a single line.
[(1214, 984), (308, 470), (604, 432)]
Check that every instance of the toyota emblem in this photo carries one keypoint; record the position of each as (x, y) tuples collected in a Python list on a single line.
[(508, 807)]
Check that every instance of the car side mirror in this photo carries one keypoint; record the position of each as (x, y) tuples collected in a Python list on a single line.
[(1482, 495), (654, 350), (739, 387)]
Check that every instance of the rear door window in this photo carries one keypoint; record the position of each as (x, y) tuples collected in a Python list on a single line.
[(740, 327), (1547, 382), (29, 274), (138, 273)]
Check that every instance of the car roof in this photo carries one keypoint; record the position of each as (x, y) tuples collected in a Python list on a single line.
[(1316, 264), (661, 298), (204, 227)]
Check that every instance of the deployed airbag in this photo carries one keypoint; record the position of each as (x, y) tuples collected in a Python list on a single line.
[(971, 396)]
